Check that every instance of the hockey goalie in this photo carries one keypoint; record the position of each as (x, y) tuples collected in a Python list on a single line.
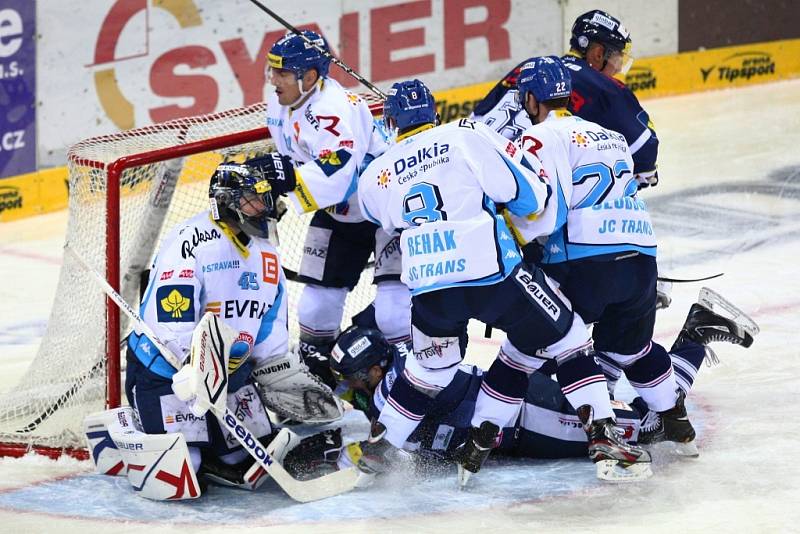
[(210, 354)]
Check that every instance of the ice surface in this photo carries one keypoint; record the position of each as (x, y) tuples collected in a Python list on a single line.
[(728, 201)]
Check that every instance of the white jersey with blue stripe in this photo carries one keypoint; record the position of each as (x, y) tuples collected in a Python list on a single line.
[(440, 187), (328, 136), (592, 170), (203, 266)]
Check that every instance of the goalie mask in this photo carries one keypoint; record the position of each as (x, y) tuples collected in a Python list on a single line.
[(239, 195), (359, 348)]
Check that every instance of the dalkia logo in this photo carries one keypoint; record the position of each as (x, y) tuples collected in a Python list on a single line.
[(9, 198), (744, 65), (640, 79)]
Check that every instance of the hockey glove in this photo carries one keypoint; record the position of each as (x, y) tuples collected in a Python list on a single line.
[(278, 170), (647, 179)]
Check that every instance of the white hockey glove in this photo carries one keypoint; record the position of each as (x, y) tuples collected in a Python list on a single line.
[(647, 179), (290, 390), (203, 383)]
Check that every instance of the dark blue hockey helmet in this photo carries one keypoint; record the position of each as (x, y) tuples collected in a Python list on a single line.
[(409, 103), (545, 77), (599, 27), (292, 52), (357, 349), (240, 195)]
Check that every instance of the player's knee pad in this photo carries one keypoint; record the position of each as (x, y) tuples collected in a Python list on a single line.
[(393, 311), (159, 466), (514, 358), (627, 360), (574, 341), (320, 310), (435, 361)]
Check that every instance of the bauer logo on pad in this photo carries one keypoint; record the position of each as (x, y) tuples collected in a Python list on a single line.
[(175, 304)]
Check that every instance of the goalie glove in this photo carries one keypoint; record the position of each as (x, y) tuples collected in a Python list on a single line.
[(647, 179), (277, 170), (290, 390)]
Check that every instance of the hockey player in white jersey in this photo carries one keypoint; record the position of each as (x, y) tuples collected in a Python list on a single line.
[(324, 135), (603, 253), (219, 261), (440, 187)]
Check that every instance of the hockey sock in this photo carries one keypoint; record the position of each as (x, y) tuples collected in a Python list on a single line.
[(501, 394), (405, 407), (686, 360), (652, 377), (582, 382), (611, 370)]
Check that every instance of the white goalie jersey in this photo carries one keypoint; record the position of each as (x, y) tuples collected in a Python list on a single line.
[(328, 137), (203, 267)]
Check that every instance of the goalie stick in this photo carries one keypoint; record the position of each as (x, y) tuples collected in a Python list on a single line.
[(336, 61), (300, 490)]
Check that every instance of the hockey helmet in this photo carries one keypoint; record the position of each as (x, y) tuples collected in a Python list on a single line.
[(599, 27), (545, 77), (240, 195), (357, 349), (292, 52), (409, 103)]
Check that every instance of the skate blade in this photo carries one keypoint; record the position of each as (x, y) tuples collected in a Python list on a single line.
[(612, 471), (719, 304), (688, 450), (463, 476)]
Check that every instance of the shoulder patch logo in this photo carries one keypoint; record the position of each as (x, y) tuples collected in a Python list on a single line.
[(175, 304), (384, 178)]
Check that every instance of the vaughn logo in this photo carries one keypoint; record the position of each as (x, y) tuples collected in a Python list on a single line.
[(744, 65), (640, 79)]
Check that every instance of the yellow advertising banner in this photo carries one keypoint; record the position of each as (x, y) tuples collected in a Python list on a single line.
[(33, 194), (719, 68)]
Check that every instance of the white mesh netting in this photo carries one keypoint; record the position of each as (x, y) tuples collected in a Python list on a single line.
[(67, 379)]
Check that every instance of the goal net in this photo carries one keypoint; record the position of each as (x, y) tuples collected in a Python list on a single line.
[(126, 191)]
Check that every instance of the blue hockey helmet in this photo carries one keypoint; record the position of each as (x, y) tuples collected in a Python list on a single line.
[(292, 52), (545, 77), (599, 27), (240, 195), (357, 349), (409, 103)]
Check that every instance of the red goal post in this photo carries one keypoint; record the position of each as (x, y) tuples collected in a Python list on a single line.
[(126, 191)]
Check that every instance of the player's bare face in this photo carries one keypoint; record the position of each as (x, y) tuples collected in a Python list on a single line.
[(613, 64), (285, 83)]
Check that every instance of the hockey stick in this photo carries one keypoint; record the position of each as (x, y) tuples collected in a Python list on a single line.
[(300, 490), (124, 306), (687, 280), (336, 61)]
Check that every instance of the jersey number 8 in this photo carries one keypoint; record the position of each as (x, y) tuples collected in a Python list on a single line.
[(423, 203)]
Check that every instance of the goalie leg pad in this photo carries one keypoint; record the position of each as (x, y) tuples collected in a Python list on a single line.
[(290, 390), (159, 466), (106, 456), (248, 408)]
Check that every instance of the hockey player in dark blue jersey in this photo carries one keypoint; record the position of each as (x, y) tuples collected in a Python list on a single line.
[(546, 427), (599, 50)]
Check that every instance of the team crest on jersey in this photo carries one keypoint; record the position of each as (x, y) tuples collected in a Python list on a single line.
[(175, 304), (384, 178), (579, 139), (331, 161)]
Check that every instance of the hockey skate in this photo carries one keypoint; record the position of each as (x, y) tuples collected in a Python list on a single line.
[(712, 318), (615, 460), (670, 425), (475, 451)]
